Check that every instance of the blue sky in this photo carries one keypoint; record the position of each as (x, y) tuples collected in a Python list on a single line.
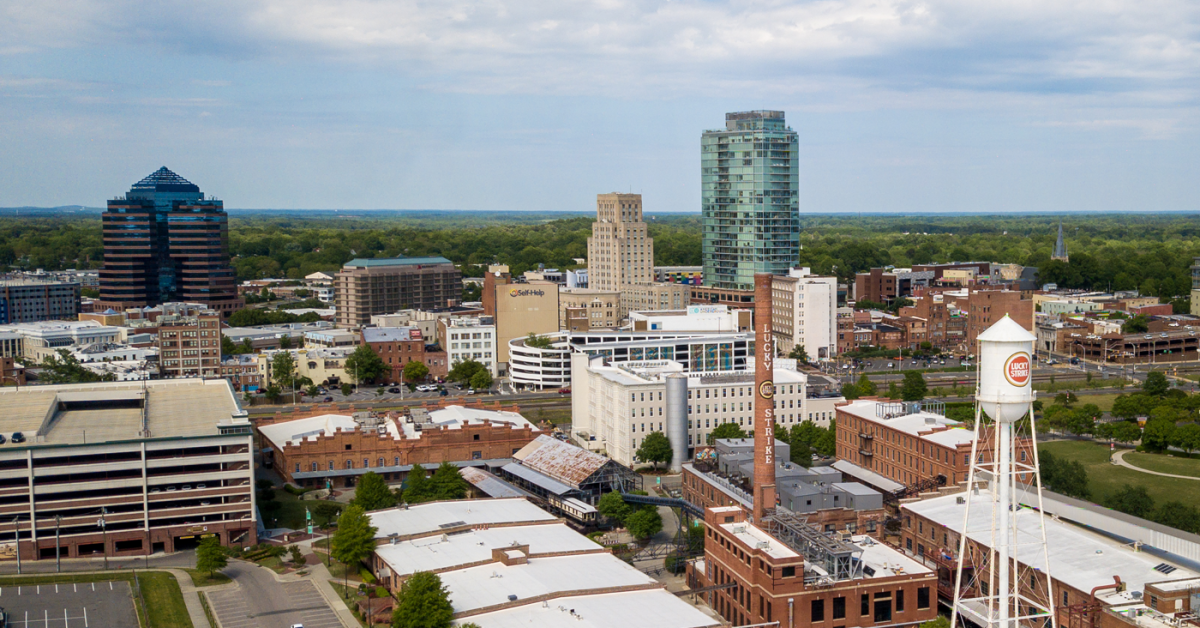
[(540, 104)]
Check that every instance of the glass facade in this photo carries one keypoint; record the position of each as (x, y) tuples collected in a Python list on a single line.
[(750, 195)]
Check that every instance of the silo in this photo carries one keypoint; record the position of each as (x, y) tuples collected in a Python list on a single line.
[(677, 419)]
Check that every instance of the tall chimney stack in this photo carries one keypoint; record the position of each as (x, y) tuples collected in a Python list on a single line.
[(764, 400)]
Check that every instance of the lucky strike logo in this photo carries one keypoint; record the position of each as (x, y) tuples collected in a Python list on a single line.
[(1017, 369)]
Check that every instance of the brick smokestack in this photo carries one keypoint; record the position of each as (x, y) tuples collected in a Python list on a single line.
[(764, 400)]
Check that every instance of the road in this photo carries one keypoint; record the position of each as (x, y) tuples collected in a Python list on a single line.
[(368, 399), (177, 560), (260, 600)]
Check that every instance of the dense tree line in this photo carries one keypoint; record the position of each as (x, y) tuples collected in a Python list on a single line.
[(1149, 252)]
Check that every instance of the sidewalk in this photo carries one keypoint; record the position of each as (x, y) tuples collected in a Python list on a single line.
[(320, 576), (1119, 458)]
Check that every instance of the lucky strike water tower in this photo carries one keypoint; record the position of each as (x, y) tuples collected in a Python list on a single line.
[(995, 584)]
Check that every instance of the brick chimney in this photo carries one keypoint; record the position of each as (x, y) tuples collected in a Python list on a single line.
[(764, 400)]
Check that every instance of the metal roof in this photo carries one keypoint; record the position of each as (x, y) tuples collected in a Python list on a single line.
[(562, 461), (490, 484), (529, 475)]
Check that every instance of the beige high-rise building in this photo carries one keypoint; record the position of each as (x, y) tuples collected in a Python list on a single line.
[(619, 251)]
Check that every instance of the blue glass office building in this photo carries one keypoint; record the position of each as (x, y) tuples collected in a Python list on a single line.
[(750, 195)]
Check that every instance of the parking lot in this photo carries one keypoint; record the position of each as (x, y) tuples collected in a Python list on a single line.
[(289, 604), (98, 604)]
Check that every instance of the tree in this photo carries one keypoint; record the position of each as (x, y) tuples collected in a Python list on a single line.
[(613, 506), (364, 365), (283, 369), (447, 482), (941, 621), (850, 392), (1179, 516), (355, 536), (865, 386), (1068, 477), (311, 390), (423, 602), (285, 342), (464, 370), (655, 448), (1136, 325), (1158, 434), (297, 554), (801, 454), (417, 487), (372, 493), (644, 523), (537, 342), (1125, 431), (1156, 384), (799, 354), (210, 556), (1133, 406), (273, 393), (481, 380), (914, 388), (61, 367), (415, 372), (1133, 500), (826, 444), (247, 346), (228, 347), (1187, 437), (347, 390), (725, 430)]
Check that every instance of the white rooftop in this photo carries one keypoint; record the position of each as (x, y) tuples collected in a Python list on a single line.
[(438, 552), (752, 536), (491, 584), (886, 561), (432, 517), (1078, 558), (280, 434), (633, 609), (454, 417), (920, 424)]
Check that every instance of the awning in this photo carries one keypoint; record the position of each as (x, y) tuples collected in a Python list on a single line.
[(868, 476), (533, 477)]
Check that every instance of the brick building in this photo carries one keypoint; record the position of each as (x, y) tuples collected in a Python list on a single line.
[(786, 571), (323, 445), (189, 341), (396, 346)]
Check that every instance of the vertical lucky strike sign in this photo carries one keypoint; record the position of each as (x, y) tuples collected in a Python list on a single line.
[(1018, 369)]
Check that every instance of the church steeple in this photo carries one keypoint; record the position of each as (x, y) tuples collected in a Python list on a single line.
[(1060, 247)]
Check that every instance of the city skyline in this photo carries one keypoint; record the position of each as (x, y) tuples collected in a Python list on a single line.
[(899, 107)]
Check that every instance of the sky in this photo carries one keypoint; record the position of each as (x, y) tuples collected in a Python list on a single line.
[(900, 106)]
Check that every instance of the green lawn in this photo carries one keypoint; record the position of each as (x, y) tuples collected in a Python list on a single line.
[(1165, 464), (1104, 402), (201, 578), (1105, 478), (291, 511)]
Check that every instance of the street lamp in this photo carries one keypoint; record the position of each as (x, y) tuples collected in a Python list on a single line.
[(17, 537), (104, 535), (57, 544)]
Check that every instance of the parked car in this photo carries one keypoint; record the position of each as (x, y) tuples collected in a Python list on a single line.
[(564, 391), (394, 390), (3, 439), (18, 437), (470, 391), (328, 399)]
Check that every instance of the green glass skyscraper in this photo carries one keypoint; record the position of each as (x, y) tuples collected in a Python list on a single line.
[(750, 195)]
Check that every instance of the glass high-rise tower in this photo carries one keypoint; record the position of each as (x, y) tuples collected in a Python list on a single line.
[(750, 195), (164, 241)]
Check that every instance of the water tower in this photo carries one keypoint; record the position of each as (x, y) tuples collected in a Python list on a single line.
[(995, 585)]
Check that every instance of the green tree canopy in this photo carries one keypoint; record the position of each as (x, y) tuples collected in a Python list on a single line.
[(655, 448), (364, 365), (726, 430), (415, 371), (355, 537), (1133, 500), (423, 602), (283, 369), (1068, 477), (1138, 324), (448, 483), (1180, 516), (644, 523), (850, 391), (611, 505), (1158, 434), (914, 387), (1187, 437), (463, 370), (372, 492), (865, 386), (537, 342), (481, 380), (417, 486), (61, 367), (1156, 384), (210, 556), (799, 354)]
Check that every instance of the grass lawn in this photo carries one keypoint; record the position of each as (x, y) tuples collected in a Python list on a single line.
[(201, 578), (163, 600), (1104, 402), (291, 510), (1165, 464), (1105, 478)]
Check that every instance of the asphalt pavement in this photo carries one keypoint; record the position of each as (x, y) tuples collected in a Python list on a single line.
[(261, 600), (177, 560)]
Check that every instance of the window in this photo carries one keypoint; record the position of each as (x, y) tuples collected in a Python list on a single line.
[(923, 598), (349, 464), (865, 609), (839, 608), (331, 465), (396, 461), (900, 600), (314, 466), (297, 467), (1066, 599), (788, 572), (818, 610)]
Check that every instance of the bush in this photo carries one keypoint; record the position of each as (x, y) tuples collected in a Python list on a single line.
[(366, 575)]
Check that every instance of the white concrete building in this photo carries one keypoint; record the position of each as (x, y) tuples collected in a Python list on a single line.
[(44, 338), (804, 312), (469, 339), (619, 405), (696, 318)]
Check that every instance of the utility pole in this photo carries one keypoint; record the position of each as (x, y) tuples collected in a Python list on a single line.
[(17, 536), (104, 536), (57, 544)]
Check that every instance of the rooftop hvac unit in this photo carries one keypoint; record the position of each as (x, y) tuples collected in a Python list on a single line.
[(961, 500)]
